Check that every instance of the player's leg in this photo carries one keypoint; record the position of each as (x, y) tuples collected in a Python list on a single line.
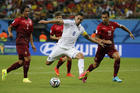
[(80, 58), (116, 56), (69, 63), (60, 62), (74, 53), (97, 60), (26, 66), (14, 66)]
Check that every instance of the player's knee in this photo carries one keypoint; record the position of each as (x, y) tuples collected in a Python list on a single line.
[(81, 56), (117, 58), (63, 59), (20, 62), (69, 59), (27, 59)]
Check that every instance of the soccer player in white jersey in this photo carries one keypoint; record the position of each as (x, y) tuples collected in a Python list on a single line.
[(66, 44)]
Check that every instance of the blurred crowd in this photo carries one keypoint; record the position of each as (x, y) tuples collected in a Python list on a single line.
[(43, 9)]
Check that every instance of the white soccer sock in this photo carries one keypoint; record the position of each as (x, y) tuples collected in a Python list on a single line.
[(81, 66)]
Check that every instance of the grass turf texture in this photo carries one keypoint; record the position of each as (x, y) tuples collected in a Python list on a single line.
[(99, 80)]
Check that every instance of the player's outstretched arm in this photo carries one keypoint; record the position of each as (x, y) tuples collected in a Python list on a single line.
[(93, 39), (127, 30), (51, 22), (10, 31)]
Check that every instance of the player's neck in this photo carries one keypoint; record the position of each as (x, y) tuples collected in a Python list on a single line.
[(24, 17), (106, 23)]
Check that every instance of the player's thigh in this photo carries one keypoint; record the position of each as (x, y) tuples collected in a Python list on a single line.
[(113, 53), (23, 51), (99, 55), (72, 53), (56, 53)]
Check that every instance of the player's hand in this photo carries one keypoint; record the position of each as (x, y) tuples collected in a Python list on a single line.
[(42, 21), (101, 44), (107, 41), (34, 48), (10, 35), (131, 35)]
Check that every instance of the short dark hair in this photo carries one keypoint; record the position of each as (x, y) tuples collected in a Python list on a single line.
[(105, 12), (79, 13), (58, 13), (23, 8)]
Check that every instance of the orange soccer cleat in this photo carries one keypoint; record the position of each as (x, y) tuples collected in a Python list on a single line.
[(70, 75)]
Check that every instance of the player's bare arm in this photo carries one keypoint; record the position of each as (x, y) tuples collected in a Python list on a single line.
[(51, 22), (32, 43), (10, 31), (53, 37), (92, 39), (127, 30), (104, 41)]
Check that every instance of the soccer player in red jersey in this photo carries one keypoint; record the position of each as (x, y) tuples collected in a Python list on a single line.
[(105, 30), (55, 34), (24, 29)]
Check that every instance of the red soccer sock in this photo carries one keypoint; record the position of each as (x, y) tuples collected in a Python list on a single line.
[(116, 67), (69, 63), (14, 66), (60, 62), (90, 68), (26, 68)]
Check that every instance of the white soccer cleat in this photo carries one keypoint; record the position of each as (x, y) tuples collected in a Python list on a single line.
[(26, 80)]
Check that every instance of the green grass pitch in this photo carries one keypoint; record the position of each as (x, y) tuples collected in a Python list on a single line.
[(99, 80)]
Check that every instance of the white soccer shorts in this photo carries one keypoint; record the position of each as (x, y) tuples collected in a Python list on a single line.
[(57, 52)]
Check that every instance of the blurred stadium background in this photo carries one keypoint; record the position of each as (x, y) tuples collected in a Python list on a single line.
[(126, 12)]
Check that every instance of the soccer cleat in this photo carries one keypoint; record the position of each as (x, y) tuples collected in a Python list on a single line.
[(70, 75), (26, 80), (56, 71), (116, 79), (84, 80), (4, 74), (83, 75)]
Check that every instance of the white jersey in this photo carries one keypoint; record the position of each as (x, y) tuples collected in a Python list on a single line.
[(71, 32)]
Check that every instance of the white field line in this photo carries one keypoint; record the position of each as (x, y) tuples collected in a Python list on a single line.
[(63, 72)]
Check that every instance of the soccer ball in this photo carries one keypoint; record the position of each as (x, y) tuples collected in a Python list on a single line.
[(55, 82)]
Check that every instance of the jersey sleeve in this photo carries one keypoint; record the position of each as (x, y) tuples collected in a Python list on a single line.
[(52, 31), (15, 22), (84, 33), (98, 30), (116, 25)]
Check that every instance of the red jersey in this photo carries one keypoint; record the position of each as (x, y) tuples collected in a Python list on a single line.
[(56, 30), (24, 28), (107, 31)]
